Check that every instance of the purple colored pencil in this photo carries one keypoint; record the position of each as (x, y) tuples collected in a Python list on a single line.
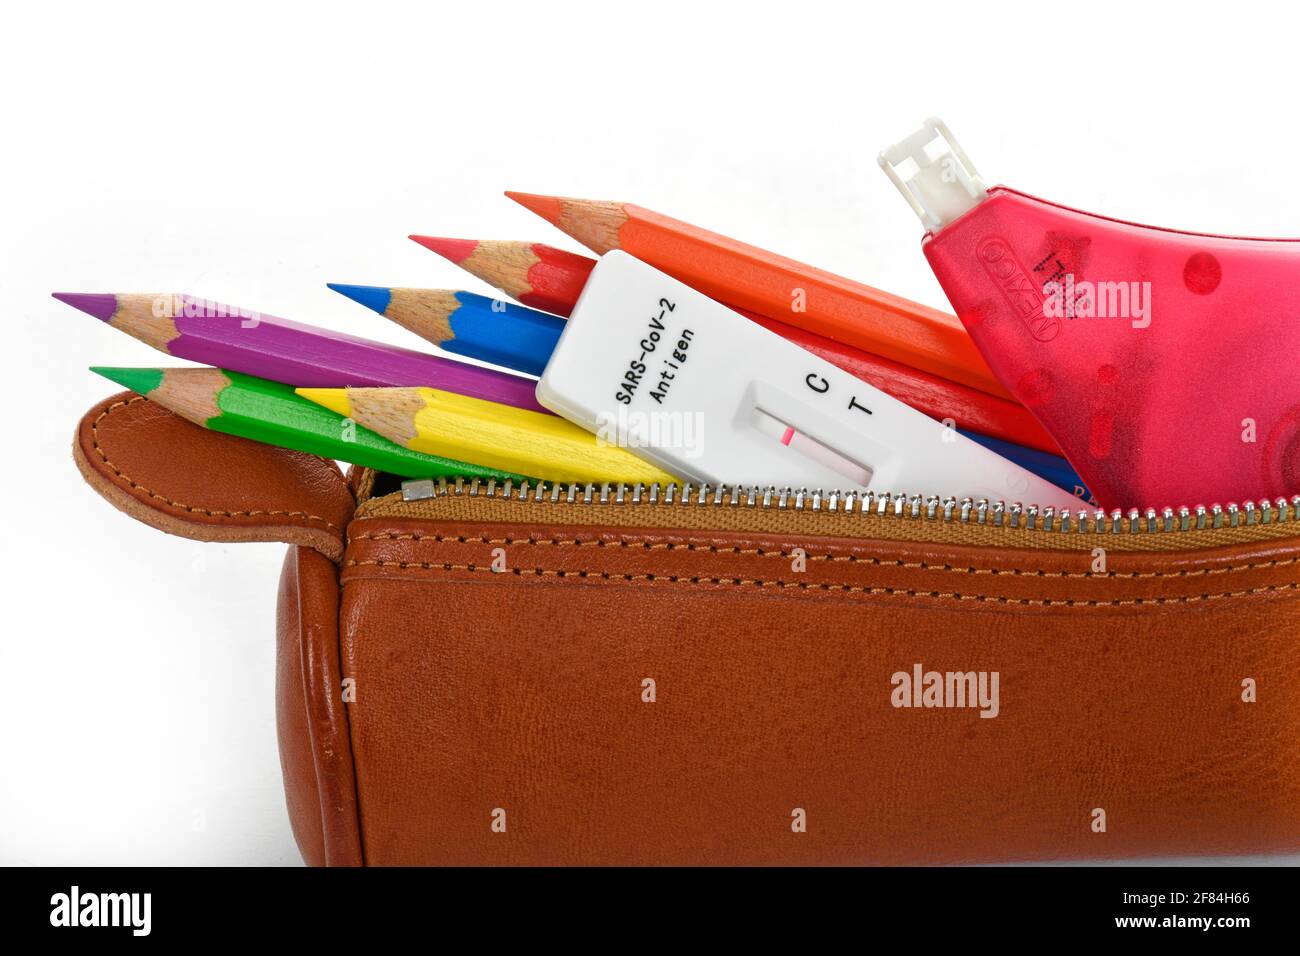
[(300, 355)]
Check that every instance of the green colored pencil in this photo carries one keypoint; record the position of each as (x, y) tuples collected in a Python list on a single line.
[(271, 413)]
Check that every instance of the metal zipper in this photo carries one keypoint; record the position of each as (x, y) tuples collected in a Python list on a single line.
[(966, 511)]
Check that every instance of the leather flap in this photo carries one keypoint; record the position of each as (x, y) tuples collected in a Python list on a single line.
[(185, 480)]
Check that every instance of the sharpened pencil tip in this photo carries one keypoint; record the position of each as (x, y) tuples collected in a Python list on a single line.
[(101, 306), (457, 250), (335, 399), (142, 381), (548, 207), (371, 296)]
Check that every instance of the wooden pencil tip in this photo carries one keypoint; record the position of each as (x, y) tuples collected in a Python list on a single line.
[(142, 381), (548, 207), (371, 296), (335, 399), (457, 250), (99, 305)]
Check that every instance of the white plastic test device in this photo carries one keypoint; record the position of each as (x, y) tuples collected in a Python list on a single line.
[(650, 364)]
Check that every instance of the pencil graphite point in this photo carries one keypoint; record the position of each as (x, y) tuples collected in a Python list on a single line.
[(335, 399), (371, 296), (457, 250), (100, 305), (596, 223), (549, 208), (142, 381)]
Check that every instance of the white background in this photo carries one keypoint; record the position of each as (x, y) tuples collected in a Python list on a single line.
[(249, 154)]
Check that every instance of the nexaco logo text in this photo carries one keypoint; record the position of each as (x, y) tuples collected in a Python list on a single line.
[(1017, 288), (102, 909)]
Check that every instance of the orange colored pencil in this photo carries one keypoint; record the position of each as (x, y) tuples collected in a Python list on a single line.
[(750, 278)]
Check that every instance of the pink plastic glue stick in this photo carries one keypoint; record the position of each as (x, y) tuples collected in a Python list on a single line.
[(1166, 364)]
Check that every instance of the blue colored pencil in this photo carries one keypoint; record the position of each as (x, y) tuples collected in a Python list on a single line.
[(512, 336), (1053, 468)]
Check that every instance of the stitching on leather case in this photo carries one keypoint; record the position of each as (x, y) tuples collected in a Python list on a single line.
[(195, 509), (843, 588), (830, 558)]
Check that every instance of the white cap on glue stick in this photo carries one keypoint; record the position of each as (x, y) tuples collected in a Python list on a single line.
[(650, 364)]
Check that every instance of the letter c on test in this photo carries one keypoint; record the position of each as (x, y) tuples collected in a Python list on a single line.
[(823, 388)]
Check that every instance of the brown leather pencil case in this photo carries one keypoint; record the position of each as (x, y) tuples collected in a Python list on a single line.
[(487, 674)]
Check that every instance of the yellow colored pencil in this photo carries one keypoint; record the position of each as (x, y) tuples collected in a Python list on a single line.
[(497, 436)]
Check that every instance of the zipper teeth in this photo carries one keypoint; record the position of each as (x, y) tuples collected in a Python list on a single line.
[(976, 511)]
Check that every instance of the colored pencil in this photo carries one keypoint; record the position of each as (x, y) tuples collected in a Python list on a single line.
[(283, 351), (747, 277), (935, 396), (537, 275), (491, 435), (472, 325), (270, 412), (1052, 468)]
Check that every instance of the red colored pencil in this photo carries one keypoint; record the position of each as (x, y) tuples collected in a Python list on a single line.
[(531, 273), (513, 265)]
